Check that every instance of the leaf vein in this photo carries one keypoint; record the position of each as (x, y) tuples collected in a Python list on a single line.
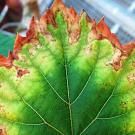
[(45, 78), (89, 78), (106, 102), (15, 88)]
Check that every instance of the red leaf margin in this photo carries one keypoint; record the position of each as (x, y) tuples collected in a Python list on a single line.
[(100, 31)]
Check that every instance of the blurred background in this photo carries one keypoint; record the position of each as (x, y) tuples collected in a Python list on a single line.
[(16, 14)]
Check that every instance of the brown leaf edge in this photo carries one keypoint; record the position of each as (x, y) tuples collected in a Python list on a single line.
[(100, 31)]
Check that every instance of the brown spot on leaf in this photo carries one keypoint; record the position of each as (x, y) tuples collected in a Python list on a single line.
[(131, 77), (74, 36), (99, 31), (117, 65), (32, 51), (116, 61), (22, 58), (88, 50), (3, 130), (21, 72)]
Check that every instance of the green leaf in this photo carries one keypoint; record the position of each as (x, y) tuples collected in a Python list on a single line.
[(60, 83)]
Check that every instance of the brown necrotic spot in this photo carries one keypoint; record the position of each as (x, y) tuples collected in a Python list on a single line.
[(131, 77), (116, 61), (3, 130), (88, 50), (21, 72), (74, 36), (32, 51), (99, 31), (22, 58)]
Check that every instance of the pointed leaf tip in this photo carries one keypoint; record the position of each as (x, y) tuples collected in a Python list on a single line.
[(58, 5), (99, 31), (105, 31), (72, 11), (19, 43), (32, 27), (49, 18)]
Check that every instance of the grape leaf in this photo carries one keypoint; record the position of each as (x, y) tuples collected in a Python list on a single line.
[(68, 76)]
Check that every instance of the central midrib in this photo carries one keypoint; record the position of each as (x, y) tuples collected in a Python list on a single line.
[(69, 102), (68, 90)]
